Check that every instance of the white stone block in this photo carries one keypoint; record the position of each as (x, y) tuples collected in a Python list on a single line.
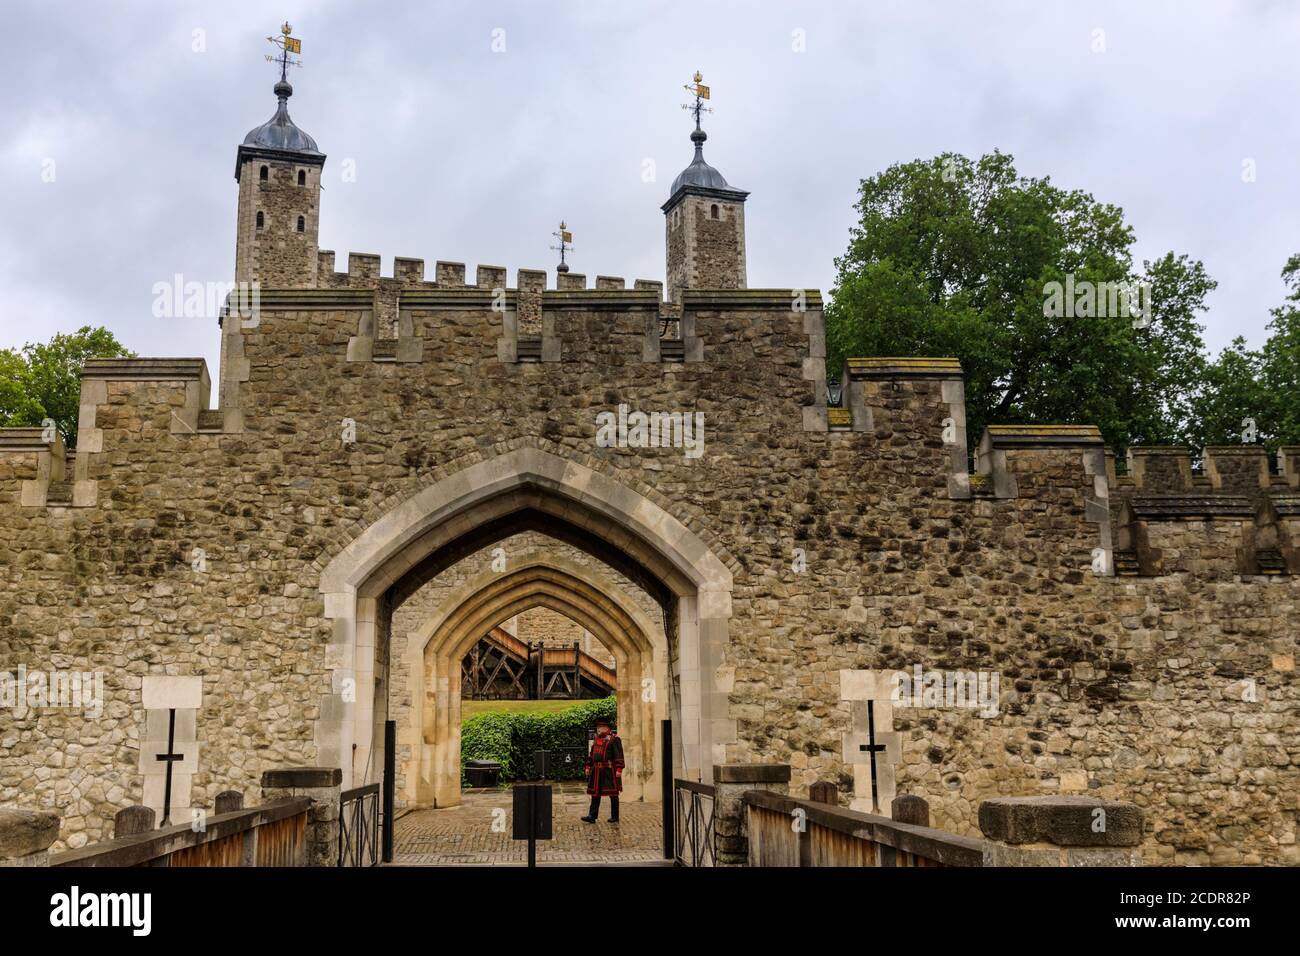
[(157, 723), (163, 693), (724, 679), (866, 685), (856, 685), (155, 787), (715, 605)]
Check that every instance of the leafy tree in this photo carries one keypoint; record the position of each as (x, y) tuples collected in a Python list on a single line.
[(956, 258), (1170, 365), (1281, 363), (1261, 385), (44, 381), (17, 406), (1232, 392)]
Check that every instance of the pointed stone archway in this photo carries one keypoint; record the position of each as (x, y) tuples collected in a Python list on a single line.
[(582, 594), (429, 530)]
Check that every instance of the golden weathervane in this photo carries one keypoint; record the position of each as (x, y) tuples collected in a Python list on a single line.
[(566, 244), (698, 90), (287, 44)]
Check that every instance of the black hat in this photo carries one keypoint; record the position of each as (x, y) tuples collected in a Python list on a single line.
[(604, 720)]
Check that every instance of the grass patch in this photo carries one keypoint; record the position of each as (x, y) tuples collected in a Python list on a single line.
[(472, 708)]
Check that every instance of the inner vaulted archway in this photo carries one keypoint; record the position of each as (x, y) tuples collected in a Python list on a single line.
[(580, 593), (533, 488)]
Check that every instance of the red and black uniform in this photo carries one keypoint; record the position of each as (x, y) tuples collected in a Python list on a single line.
[(604, 766)]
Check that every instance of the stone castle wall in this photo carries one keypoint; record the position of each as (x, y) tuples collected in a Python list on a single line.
[(855, 538)]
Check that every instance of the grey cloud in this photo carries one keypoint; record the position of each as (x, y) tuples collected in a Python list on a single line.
[(467, 155)]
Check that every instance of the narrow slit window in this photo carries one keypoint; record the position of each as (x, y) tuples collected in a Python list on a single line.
[(261, 220), (264, 175), (713, 211), (302, 177), (302, 224)]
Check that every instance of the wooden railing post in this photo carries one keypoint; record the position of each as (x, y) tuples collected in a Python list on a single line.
[(132, 820), (228, 801), (824, 791), (912, 809)]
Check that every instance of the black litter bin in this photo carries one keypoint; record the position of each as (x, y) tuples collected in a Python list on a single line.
[(482, 773)]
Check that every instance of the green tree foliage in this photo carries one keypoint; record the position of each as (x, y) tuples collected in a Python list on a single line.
[(1281, 364), (512, 737), (1261, 385), (17, 405), (44, 381), (956, 258), (1231, 394)]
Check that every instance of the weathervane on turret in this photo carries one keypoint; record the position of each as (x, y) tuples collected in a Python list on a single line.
[(701, 93), (566, 245), (287, 44)]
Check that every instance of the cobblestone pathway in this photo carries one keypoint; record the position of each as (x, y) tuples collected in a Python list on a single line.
[(464, 834)]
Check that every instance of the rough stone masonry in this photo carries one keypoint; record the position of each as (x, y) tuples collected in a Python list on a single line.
[(373, 431)]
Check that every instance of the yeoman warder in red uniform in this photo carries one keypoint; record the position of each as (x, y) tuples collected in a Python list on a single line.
[(604, 768)]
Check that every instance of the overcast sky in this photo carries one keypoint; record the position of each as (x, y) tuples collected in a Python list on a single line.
[(470, 155)]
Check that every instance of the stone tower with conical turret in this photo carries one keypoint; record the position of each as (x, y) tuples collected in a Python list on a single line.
[(704, 221), (278, 169)]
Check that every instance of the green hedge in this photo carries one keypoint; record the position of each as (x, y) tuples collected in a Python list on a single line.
[(512, 738)]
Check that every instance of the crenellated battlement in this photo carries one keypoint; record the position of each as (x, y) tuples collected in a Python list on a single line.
[(1168, 513), (411, 275), (890, 405), (34, 460), (1230, 469), (364, 271)]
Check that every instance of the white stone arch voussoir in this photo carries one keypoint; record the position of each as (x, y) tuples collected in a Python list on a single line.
[(453, 506)]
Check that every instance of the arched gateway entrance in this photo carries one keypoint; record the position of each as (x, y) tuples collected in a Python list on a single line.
[(527, 488), (579, 593)]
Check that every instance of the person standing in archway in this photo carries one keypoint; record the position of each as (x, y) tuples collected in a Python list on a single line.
[(604, 768)]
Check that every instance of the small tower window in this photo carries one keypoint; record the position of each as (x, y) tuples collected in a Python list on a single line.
[(302, 224), (264, 174), (261, 219), (302, 177), (713, 211)]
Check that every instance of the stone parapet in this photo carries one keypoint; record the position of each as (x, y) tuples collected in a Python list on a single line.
[(1060, 831), (26, 836), (730, 782), (38, 460), (323, 785)]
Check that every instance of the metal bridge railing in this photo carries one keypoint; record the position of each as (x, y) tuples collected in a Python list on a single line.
[(359, 826), (693, 837)]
